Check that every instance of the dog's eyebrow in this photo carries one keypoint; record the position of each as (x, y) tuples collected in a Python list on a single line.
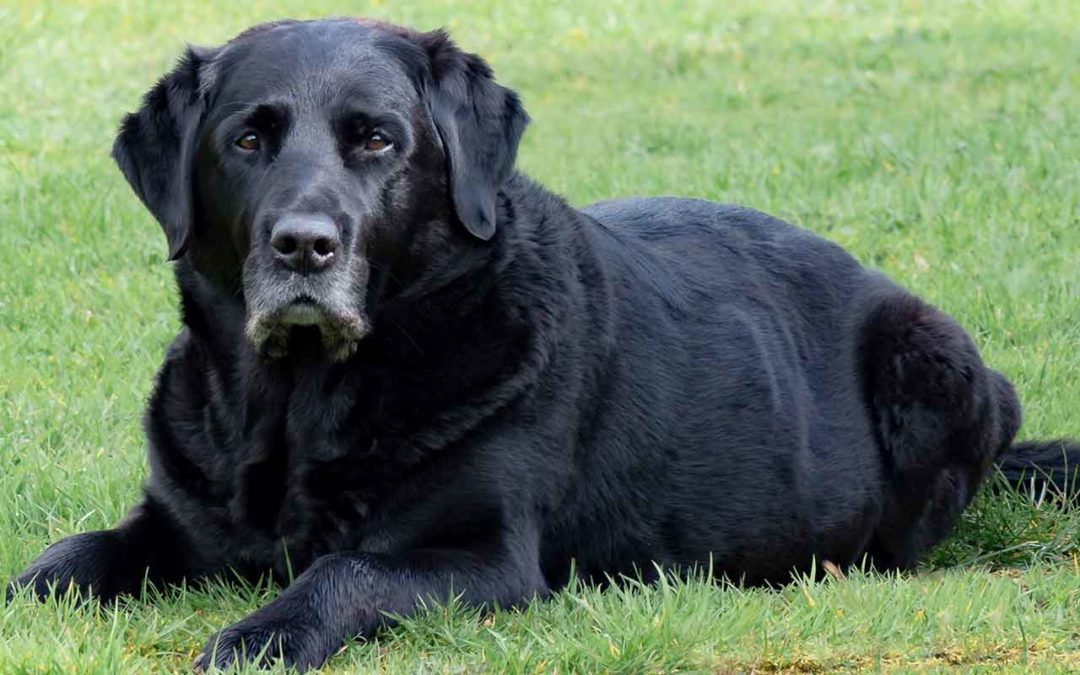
[(271, 111), (367, 114)]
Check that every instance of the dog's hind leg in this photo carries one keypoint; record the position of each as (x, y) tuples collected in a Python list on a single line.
[(941, 418)]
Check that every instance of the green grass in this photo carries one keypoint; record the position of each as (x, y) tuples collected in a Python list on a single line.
[(938, 141)]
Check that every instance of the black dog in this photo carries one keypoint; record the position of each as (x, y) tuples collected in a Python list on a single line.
[(408, 372)]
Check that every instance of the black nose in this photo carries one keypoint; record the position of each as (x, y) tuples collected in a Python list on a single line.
[(305, 243)]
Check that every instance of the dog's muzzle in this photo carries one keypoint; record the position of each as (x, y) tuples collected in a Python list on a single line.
[(304, 280)]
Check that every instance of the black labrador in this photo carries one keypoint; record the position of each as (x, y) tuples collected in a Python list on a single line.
[(406, 371)]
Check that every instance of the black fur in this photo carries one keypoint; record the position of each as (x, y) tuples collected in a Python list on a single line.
[(470, 410), (156, 145), (479, 124), (1044, 469)]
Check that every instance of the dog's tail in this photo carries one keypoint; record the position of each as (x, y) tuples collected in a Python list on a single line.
[(1044, 468)]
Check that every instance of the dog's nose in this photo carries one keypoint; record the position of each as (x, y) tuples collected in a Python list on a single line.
[(305, 243)]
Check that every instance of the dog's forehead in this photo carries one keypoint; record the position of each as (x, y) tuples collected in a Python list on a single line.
[(313, 59)]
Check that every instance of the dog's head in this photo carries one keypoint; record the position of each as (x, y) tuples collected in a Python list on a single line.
[(303, 166)]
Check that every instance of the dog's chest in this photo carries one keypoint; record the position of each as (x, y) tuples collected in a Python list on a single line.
[(271, 469), (314, 467)]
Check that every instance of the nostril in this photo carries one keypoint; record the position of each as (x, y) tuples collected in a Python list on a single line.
[(285, 244), (325, 246)]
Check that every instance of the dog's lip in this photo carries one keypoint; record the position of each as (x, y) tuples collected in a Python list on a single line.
[(302, 312), (341, 330)]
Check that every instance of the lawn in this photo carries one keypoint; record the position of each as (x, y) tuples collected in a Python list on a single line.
[(937, 141)]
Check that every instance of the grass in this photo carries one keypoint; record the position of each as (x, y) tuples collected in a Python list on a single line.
[(939, 142)]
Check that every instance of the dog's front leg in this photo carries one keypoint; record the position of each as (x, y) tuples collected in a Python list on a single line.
[(145, 546), (345, 595)]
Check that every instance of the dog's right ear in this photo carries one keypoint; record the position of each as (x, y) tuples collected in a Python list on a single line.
[(156, 146)]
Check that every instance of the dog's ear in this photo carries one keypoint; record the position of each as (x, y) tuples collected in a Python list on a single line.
[(479, 123), (156, 145)]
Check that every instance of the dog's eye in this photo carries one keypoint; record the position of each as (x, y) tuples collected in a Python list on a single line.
[(376, 142), (249, 141)]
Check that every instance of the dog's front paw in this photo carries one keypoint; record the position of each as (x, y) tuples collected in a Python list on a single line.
[(261, 640), (83, 561)]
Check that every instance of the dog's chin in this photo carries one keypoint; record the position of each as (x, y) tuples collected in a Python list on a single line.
[(303, 324)]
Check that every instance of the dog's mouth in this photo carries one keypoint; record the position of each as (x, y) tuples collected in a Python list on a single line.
[(276, 332)]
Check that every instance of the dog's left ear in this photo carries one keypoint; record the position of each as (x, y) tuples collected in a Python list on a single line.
[(479, 123), (156, 146)]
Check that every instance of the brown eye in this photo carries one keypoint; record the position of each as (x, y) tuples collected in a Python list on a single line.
[(376, 142), (248, 141)]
